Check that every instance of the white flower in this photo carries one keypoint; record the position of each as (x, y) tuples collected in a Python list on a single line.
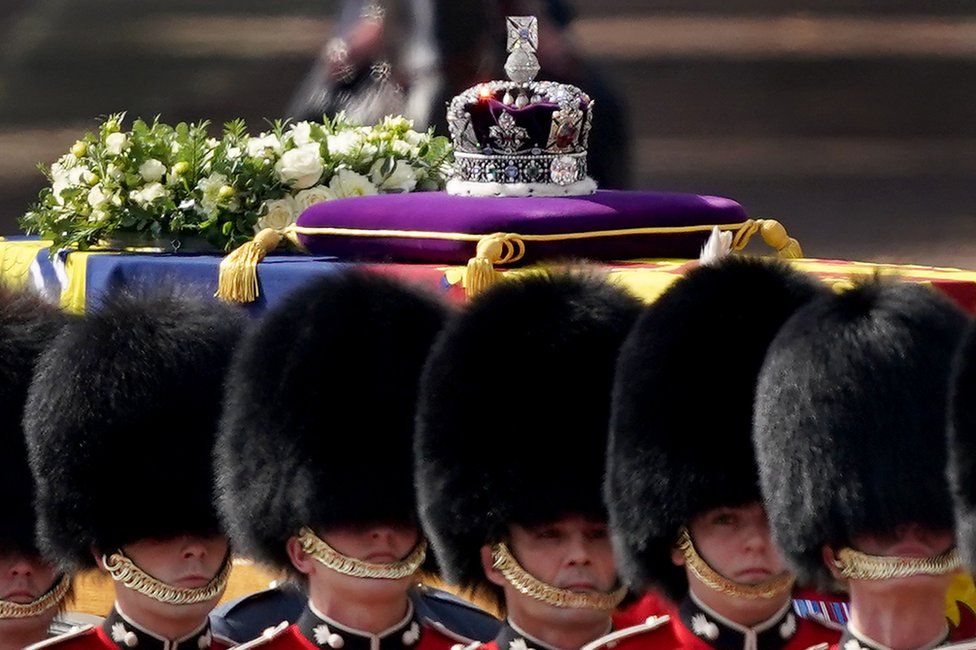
[(343, 143), (279, 213), (210, 190), (313, 195), (403, 178), (415, 139), (98, 215), (148, 194), (233, 153), (301, 167), (402, 148), (79, 175), (301, 133), (348, 183), (175, 147), (152, 170), (97, 198), (257, 147), (114, 172), (115, 143)]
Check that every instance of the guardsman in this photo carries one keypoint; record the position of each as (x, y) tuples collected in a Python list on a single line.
[(120, 422), (31, 589), (850, 428), (315, 469), (682, 487), (510, 454)]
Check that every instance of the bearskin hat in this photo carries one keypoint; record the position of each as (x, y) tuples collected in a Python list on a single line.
[(513, 412), (320, 404), (962, 448), (120, 422), (851, 416), (27, 325), (681, 422)]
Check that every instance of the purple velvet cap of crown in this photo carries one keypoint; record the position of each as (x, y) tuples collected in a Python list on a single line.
[(442, 212)]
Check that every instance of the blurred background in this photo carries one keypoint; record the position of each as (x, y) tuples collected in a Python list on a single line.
[(853, 122)]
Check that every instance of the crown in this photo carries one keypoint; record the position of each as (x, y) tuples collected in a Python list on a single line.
[(520, 137)]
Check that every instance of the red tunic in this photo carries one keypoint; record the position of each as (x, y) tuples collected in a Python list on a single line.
[(118, 633), (290, 637), (695, 627)]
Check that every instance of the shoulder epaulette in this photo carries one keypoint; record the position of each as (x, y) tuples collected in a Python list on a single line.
[(81, 630), (266, 637), (652, 623)]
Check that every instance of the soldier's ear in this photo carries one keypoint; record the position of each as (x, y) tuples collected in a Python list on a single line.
[(488, 565), (98, 558), (830, 560), (677, 557), (302, 561)]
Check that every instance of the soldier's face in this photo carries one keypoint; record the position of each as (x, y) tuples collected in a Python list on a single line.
[(184, 562), (24, 579), (737, 543), (907, 541), (379, 543), (572, 553)]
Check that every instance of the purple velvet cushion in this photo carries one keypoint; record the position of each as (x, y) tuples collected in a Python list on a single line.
[(441, 212)]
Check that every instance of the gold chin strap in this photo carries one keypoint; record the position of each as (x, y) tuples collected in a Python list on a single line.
[(350, 566), (125, 572), (528, 584), (855, 565), (775, 586), (51, 599)]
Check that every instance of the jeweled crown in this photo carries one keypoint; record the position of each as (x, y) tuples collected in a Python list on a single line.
[(520, 137)]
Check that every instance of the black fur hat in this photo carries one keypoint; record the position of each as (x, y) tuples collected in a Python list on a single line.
[(681, 424), (120, 422), (27, 325), (962, 448), (513, 412), (851, 417), (318, 424)]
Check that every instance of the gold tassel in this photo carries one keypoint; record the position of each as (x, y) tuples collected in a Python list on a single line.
[(498, 248), (238, 278), (773, 233)]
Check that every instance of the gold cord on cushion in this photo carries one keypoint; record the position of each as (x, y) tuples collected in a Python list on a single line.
[(350, 566), (856, 565), (776, 586), (528, 584), (238, 280), (52, 598), (125, 572)]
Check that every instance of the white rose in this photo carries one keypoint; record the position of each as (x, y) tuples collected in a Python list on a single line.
[(210, 190), (98, 215), (347, 183), (402, 148), (114, 172), (59, 174), (279, 213), (257, 147), (233, 153), (343, 143), (313, 195), (79, 175), (152, 170), (403, 178), (152, 192), (97, 198), (115, 143), (301, 133), (414, 138), (301, 167), (57, 187)]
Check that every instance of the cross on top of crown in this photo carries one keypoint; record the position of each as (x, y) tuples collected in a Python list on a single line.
[(523, 33)]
